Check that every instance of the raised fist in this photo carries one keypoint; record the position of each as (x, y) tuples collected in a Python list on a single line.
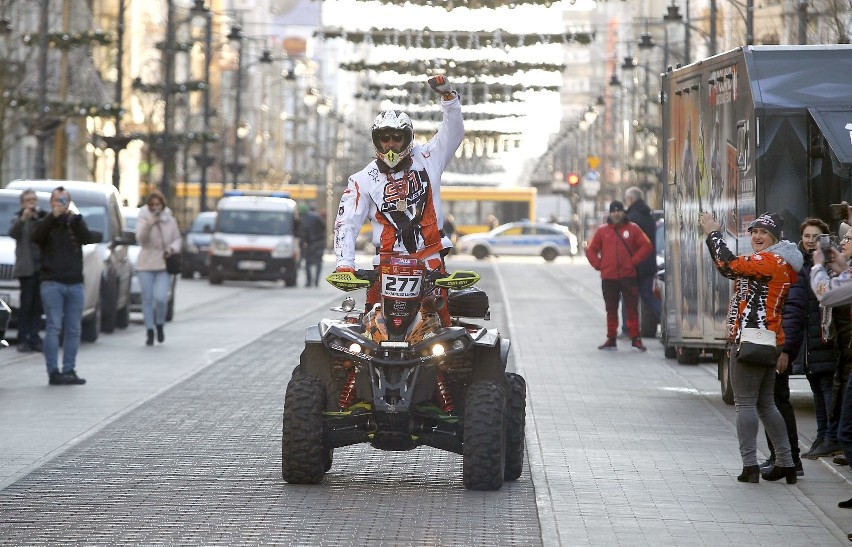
[(440, 84)]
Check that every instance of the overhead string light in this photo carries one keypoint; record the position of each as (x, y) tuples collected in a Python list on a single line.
[(449, 39)]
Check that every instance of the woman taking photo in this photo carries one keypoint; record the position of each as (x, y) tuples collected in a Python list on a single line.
[(761, 283), (159, 236)]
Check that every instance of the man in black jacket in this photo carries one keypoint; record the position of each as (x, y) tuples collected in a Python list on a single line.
[(60, 236), (639, 213)]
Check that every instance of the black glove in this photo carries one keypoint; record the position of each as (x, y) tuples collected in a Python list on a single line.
[(440, 84)]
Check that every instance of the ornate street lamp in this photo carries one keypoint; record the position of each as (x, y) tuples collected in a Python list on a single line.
[(201, 14)]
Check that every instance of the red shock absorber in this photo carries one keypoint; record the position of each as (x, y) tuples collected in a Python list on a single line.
[(347, 394), (445, 400)]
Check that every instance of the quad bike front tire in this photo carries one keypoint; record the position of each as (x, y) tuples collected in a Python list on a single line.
[(516, 414), (484, 449), (304, 459)]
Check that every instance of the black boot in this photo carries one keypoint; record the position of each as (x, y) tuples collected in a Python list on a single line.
[(751, 473), (778, 472), (161, 336), (150, 340)]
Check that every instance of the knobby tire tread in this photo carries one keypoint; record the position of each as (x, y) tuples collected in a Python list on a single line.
[(484, 446), (303, 457)]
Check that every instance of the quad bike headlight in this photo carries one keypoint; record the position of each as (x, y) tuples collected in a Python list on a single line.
[(438, 350), (355, 347)]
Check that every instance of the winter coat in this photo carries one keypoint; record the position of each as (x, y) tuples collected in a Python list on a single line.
[(415, 185), (640, 214), (60, 241), (617, 250), (822, 283), (27, 254), (761, 283), (156, 235), (803, 327)]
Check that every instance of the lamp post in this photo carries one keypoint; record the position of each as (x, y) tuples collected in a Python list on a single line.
[(41, 130), (164, 143), (201, 12), (118, 142), (235, 37)]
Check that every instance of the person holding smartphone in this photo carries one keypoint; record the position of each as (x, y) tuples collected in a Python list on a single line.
[(60, 236), (159, 236), (27, 263)]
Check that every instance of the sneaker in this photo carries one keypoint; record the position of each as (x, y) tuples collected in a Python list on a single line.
[(37, 346), (840, 460), (800, 469), (768, 463), (56, 379), (638, 345), (71, 378), (23, 347), (826, 448), (609, 345), (814, 445)]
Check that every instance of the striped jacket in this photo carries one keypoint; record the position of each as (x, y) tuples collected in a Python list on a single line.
[(761, 283)]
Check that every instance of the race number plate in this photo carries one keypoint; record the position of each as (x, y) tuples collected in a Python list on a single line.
[(251, 265), (401, 286)]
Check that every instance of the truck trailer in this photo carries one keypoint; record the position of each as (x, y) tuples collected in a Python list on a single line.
[(754, 129)]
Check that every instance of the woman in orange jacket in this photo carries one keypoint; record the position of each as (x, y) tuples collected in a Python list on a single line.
[(761, 283)]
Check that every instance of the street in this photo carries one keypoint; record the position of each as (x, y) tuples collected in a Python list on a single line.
[(180, 443)]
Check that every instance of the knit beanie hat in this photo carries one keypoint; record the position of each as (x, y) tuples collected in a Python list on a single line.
[(771, 222)]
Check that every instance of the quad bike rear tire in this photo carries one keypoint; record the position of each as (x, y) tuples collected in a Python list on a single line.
[(304, 459), (516, 404), (484, 449)]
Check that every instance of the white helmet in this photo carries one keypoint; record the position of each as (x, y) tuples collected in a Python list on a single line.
[(393, 121)]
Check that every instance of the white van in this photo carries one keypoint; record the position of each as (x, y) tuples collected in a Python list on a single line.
[(254, 239)]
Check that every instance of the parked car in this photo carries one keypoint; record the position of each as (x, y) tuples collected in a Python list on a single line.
[(100, 206), (10, 288), (196, 243), (131, 215), (521, 238)]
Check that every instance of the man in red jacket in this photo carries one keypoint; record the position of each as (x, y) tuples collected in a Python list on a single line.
[(616, 250)]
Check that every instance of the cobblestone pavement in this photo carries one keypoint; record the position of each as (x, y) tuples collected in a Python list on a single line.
[(622, 448), (201, 464), (627, 448)]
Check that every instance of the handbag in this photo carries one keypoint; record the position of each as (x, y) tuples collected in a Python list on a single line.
[(173, 261), (173, 264), (757, 346)]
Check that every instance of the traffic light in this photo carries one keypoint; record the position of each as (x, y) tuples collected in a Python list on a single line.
[(573, 179)]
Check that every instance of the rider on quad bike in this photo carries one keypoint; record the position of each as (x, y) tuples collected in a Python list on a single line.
[(400, 191)]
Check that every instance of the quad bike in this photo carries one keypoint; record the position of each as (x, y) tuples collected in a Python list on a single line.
[(396, 378)]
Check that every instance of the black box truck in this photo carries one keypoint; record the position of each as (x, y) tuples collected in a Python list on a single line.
[(758, 128)]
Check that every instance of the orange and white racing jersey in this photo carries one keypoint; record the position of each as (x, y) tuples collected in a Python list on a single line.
[(404, 207)]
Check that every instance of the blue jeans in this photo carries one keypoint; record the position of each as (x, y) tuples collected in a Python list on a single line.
[(63, 308), (155, 296)]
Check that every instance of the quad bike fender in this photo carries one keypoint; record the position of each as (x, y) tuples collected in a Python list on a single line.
[(505, 345), (312, 335), (486, 337)]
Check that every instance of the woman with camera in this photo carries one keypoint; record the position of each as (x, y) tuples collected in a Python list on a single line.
[(159, 236), (761, 283), (830, 276)]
